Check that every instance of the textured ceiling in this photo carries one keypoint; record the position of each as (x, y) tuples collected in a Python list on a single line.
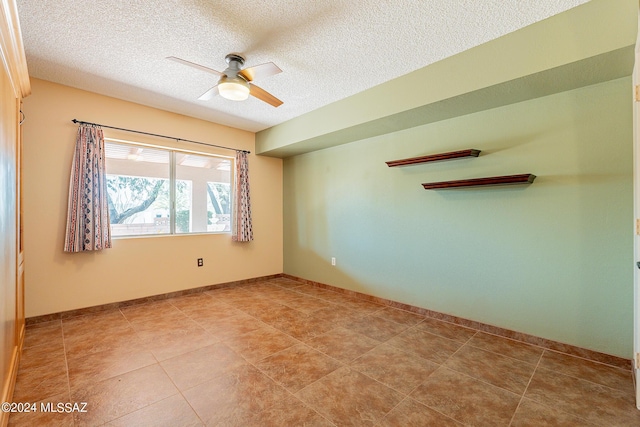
[(327, 50)]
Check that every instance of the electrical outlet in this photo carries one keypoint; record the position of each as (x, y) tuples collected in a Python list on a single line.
[(200, 262), (333, 260)]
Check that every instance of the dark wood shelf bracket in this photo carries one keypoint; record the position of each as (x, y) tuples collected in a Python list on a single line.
[(434, 158), (526, 178)]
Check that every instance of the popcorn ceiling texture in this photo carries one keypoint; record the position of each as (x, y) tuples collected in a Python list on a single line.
[(327, 50)]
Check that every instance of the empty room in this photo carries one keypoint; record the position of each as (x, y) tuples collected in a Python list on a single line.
[(285, 213)]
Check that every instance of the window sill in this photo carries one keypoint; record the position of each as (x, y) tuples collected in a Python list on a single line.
[(152, 236)]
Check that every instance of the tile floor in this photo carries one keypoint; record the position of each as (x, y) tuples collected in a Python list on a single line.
[(283, 353)]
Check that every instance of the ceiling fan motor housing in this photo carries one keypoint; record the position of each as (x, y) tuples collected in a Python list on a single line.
[(235, 61), (233, 85)]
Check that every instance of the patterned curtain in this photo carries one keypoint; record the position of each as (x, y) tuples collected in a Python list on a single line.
[(87, 215), (242, 231)]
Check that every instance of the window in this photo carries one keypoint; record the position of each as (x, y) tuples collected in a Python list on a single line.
[(154, 190)]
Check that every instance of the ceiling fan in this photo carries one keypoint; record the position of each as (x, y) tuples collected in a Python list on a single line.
[(235, 82)]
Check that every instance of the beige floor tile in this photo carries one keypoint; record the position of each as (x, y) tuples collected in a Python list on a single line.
[(112, 398), (209, 314), (42, 355), (190, 369), (261, 285), (337, 314), (323, 294), (425, 344), (275, 294), (587, 370), (232, 400), (167, 344), (507, 347), (446, 330), (348, 398), (42, 333), (304, 303), (296, 367), (288, 412), (114, 340), (194, 301), (467, 400), (287, 283), (41, 382), (304, 328), (272, 291), (260, 343), (151, 312), (268, 291), (171, 412), (596, 403), (177, 320), (532, 414), (377, 328), (395, 368), (231, 326), (255, 306), (410, 413), (275, 314), (42, 373), (82, 327), (361, 306), (343, 344), (229, 295), (37, 419), (400, 316), (95, 367), (501, 371)]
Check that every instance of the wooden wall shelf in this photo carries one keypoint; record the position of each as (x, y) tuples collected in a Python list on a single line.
[(434, 158), (526, 178)]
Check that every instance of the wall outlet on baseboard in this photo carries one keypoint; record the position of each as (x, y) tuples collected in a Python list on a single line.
[(200, 262), (333, 260)]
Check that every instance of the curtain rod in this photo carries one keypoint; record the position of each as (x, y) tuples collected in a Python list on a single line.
[(159, 136)]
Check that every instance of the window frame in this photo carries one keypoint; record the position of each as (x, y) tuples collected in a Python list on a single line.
[(172, 186)]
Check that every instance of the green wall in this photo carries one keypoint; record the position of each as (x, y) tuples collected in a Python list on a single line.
[(553, 259)]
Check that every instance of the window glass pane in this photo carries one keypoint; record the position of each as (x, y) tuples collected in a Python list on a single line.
[(219, 206), (137, 189), (203, 196), (183, 206)]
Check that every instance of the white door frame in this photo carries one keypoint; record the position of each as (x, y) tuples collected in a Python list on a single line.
[(636, 212)]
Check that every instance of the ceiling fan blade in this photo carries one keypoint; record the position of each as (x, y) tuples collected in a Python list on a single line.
[(194, 65), (263, 95), (210, 94), (260, 71)]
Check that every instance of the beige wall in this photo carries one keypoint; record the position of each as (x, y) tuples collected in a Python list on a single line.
[(135, 267)]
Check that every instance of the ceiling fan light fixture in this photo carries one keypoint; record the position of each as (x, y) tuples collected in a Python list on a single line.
[(235, 89)]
